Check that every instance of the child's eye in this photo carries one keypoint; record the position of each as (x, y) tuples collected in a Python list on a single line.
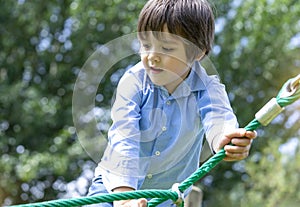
[(146, 46), (167, 49)]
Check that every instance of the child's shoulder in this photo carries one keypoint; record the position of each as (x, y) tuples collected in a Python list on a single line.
[(137, 68), (199, 79), (135, 71), (134, 75)]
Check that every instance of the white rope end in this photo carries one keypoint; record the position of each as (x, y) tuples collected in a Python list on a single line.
[(268, 112), (291, 87)]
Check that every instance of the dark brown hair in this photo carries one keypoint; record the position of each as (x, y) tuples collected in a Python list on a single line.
[(192, 20)]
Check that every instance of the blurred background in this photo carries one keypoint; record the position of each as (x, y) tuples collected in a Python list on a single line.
[(43, 46)]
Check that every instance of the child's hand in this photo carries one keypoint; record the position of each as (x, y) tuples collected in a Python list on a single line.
[(142, 202), (241, 140)]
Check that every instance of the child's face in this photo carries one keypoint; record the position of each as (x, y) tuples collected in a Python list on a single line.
[(164, 59)]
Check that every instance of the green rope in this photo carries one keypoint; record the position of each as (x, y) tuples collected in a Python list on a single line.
[(289, 93), (164, 194)]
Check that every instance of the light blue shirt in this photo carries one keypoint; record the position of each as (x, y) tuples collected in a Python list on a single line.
[(156, 138)]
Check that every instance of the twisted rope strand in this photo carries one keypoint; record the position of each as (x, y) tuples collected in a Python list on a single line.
[(164, 194)]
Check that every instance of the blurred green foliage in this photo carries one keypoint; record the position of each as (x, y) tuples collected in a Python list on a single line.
[(257, 48), (44, 44)]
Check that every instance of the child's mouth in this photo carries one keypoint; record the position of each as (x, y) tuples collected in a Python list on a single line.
[(155, 70)]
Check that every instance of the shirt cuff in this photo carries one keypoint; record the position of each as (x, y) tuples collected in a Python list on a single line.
[(112, 181), (215, 135)]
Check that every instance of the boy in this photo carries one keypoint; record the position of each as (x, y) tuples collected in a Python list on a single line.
[(165, 104)]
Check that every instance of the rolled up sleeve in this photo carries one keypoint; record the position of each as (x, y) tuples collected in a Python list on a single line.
[(119, 165), (216, 114)]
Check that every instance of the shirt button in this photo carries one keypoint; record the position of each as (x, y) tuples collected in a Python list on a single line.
[(164, 128), (157, 153), (149, 176), (168, 102)]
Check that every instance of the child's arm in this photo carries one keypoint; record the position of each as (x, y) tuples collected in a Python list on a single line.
[(221, 125), (120, 163)]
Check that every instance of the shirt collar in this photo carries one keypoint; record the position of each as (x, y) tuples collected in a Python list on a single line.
[(196, 81)]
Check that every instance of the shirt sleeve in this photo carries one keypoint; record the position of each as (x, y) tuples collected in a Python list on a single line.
[(120, 162), (216, 112)]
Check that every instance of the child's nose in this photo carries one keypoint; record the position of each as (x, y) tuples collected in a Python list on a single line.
[(153, 56)]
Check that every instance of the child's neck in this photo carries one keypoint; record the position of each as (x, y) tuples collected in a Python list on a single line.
[(171, 87)]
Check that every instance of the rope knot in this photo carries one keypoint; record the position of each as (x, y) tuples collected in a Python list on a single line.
[(180, 201)]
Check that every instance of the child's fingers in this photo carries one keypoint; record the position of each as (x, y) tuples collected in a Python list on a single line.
[(238, 137), (234, 153), (241, 141), (235, 156), (142, 202), (239, 148), (240, 132), (236, 149), (251, 134)]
